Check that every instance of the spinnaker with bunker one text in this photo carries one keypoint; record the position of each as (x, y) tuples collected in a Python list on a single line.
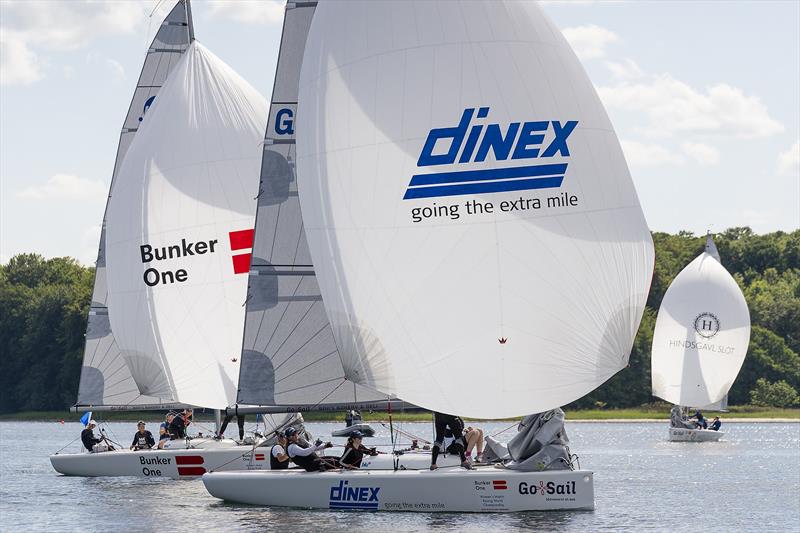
[(180, 227), (700, 340), (475, 233)]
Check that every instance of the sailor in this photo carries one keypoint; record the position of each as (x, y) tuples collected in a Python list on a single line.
[(700, 420), (224, 426), (278, 458), (354, 451), (177, 428), (352, 417), (307, 457), (87, 436), (163, 431), (442, 423), (716, 424), (474, 438), (142, 439)]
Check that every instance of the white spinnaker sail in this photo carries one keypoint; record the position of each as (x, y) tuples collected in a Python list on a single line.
[(180, 230), (409, 112), (701, 335), (106, 379)]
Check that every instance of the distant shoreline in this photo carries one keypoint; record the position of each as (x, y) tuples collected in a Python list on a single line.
[(736, 414)]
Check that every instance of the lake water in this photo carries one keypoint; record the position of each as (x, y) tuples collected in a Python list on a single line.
[(748, 482)]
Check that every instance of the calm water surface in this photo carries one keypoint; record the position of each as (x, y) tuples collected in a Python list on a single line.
[(748, 482)]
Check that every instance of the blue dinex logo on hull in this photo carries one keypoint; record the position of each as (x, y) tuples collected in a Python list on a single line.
[(346, 497), (521, 141)]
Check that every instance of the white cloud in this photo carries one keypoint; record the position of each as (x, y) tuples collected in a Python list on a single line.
[(627, 70), (672, 106), (114, 67), (19, 65), (702, 153), (789, 161), (249, 11), (29, 29), (644, 154), (67, 186), (589, 41)]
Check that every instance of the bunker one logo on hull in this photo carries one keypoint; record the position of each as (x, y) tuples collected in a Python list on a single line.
[(240, 242), (468, 145)]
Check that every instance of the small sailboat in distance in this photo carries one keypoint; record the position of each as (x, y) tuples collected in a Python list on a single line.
[(700, 341), (476, 236)]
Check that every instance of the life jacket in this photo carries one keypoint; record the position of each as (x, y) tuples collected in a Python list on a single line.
[(309, 462), (274, 464), (352, 456)]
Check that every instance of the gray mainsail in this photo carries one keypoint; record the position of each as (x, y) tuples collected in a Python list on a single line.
[(107, 378), (289, 358)]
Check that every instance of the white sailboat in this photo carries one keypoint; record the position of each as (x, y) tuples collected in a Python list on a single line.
[(700, 341), (181, 208), (458, 271)]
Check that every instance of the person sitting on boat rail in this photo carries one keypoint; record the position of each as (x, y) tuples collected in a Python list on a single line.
[(177, 428), (163, 431), (278, 458), (87, 436), (142, 439), (474, 438), (354, 451), (307, 458), (716, 424), (442, 423)]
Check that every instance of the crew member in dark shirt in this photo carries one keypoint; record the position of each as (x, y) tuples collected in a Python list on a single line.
[(354, 451), (278, 458), (142, 439), (87, 436), (716, 424), (177, 428)]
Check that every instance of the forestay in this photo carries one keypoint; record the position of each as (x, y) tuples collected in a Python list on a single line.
[(105, 377), (180, 230), (478, 240), (701, 335), (289, 356)]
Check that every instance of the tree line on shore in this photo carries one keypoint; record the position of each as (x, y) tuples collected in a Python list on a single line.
[(44, 306)]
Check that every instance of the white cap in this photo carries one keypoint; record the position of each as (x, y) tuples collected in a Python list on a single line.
[(91, 422)]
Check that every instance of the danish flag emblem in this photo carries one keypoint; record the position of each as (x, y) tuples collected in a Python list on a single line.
[(241, 240)]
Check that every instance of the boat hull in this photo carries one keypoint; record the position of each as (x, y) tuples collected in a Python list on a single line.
[(365, 430), (175, 464), (694, 435), (485, 489)]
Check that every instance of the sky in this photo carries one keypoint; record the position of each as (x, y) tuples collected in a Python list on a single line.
[(704, 96)]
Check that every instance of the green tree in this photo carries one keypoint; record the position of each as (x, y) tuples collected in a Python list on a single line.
[(778, 394)]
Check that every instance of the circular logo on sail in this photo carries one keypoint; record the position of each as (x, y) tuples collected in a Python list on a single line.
[(706, 325)]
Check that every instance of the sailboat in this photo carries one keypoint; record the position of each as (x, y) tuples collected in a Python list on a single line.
[(458, 271), (700, 342), (179, 212)]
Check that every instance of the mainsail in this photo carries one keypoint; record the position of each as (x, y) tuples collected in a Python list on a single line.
[(478, 241), (289, 357), (701, 334), (179, 232), (105, 377)]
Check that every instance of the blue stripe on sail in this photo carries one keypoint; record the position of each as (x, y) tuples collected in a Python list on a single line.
[(484, 187), (488, 174)]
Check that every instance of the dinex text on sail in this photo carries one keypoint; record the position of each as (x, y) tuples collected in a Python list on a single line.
[(474, 147), (152, 276)]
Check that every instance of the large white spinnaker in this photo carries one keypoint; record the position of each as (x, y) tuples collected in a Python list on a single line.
[(106, 380), (180, 229), (701, 334), (477, 238)]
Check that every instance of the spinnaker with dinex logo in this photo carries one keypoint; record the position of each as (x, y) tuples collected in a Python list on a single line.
[(467, 206), (180, 233)]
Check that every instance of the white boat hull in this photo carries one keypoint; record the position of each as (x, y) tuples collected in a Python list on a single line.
[(694, 435), (364, 428), (485, 489), (176, 464)]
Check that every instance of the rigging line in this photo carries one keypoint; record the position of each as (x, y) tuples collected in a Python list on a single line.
[(504, 430)]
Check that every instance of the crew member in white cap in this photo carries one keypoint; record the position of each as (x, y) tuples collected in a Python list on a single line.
[(87, 436)]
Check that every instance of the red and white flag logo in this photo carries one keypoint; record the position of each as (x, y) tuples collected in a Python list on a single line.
[(241, 240)]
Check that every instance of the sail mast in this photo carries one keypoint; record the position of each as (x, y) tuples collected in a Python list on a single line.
[(106, 379)]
